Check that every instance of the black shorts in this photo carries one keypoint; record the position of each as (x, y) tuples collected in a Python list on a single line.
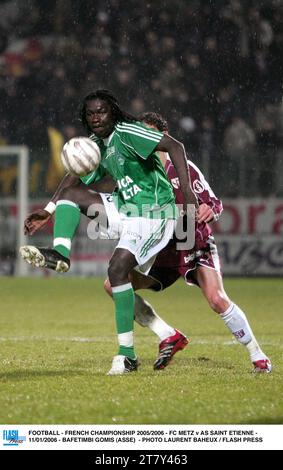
[(163, 277)]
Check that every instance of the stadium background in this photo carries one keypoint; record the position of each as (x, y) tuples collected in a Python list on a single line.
[(214, 69)]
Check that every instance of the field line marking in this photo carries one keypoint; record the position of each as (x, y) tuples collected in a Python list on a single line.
[(99, 339)]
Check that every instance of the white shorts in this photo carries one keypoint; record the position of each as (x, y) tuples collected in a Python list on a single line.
[(145, 238), (114, 225)]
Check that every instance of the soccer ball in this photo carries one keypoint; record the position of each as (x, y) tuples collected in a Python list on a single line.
[(80, 156)]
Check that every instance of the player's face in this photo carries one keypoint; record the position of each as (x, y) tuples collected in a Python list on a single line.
[(99, 117)]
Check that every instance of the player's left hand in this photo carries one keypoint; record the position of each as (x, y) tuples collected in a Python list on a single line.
[(205, 213)]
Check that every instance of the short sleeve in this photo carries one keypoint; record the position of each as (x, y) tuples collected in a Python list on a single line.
[(141, 139)]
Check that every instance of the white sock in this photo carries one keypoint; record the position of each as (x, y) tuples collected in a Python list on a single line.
[(126, 339), (256, 354), (235, 319), (160, 327), (145, 315)]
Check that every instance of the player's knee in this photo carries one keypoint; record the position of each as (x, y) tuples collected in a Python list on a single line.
[(107, 287), (218, 301), (116, 271)]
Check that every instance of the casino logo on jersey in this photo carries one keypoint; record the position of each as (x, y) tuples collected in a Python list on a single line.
[(198, 186)]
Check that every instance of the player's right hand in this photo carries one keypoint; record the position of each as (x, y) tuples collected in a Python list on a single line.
[(35, 221), (205, 214)]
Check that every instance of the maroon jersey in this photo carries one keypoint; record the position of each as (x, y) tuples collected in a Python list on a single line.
[(203, 193), (171, 263)]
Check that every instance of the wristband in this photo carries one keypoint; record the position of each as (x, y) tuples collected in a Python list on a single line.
[(50, 207)]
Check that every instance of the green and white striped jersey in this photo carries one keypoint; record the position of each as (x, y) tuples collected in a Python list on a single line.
[(128, 156)]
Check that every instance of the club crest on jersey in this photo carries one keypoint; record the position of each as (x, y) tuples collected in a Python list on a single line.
[(198, 186), (175, 183)]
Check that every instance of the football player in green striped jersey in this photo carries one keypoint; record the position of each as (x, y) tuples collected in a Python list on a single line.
[(144, 196)]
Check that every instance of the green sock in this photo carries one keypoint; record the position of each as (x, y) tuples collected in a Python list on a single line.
[(67, 219), (124, 300)]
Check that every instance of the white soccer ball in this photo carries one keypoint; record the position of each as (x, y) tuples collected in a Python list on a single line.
[(80, 156)]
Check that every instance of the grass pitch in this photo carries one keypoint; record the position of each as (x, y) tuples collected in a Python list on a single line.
[(57, 339)]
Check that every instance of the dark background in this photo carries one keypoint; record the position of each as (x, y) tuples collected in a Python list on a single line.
[(212, 68)]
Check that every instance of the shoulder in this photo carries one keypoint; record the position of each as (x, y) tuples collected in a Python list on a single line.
[(195, 172), (138, 129), (193, 167), (94, 138)]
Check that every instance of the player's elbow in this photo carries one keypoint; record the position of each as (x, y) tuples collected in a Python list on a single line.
[(107, 287)]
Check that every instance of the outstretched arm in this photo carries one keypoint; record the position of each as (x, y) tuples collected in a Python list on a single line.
[(68, 180), (178, 157), (105, 185), (39, 218)]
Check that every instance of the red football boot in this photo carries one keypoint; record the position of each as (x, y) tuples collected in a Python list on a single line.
[(263, 365), (168, 347)]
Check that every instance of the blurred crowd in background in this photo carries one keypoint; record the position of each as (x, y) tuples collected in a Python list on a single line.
[(213, 68)]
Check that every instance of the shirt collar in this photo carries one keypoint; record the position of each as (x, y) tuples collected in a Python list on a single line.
[(108, 139)]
